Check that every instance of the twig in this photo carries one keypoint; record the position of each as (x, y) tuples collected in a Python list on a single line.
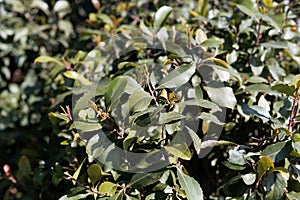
[(90, 188)]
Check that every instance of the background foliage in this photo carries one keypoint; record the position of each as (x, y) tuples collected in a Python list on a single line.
[(45, 45)]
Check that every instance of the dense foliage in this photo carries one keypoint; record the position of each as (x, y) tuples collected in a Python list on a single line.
[(199, 97)]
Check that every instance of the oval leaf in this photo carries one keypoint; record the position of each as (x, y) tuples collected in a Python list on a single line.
[(190, 185)]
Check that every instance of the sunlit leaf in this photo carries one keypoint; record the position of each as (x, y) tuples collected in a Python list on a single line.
[(45, 59), (264, 164), (190, 185), (161, 17), (178, 77), (108, 188), (76, 76)]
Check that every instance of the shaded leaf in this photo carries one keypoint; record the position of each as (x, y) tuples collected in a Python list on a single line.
[(142, 180), (210, 117), (95, 173), (168, 117), (278, 151), (284, 88)]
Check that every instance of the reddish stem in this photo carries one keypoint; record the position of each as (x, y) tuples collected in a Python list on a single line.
[(293, 112)]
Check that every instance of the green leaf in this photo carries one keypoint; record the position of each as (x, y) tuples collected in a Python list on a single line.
[(223, 96), (200, 36), (202, 7), (293, 195), (274, 68), (76, 76), (108, 188), (237, 156), (77, 172), (213, 143), (177, 77), (296, 137), (105, 18), (190, 185), (210, 117), (268, 3), (161, 17), (179, 150), (278, 151), (247, 7), (24, 167), (212, 42), (118, 196), (142, 180), (234, 166), (284, 88), (258, 111), (296, 81), (264, 164), (86, 126), (249, 179), (95, 173), (278, 188), (139, 101), (276, 20), (222, 65), (45, 59), (57, 117), (196, 139), (168, 117), (202, 103), (275, 44)]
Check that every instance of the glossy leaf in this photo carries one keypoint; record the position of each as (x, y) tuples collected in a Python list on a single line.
[(223, 96), (77, 172), (177, 77), (278, 151), (46, 59), (161, 17), (74, 75), (108, 188), (264, 164)]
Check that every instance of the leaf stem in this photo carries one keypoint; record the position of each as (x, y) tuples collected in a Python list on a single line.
[(292, 114)]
